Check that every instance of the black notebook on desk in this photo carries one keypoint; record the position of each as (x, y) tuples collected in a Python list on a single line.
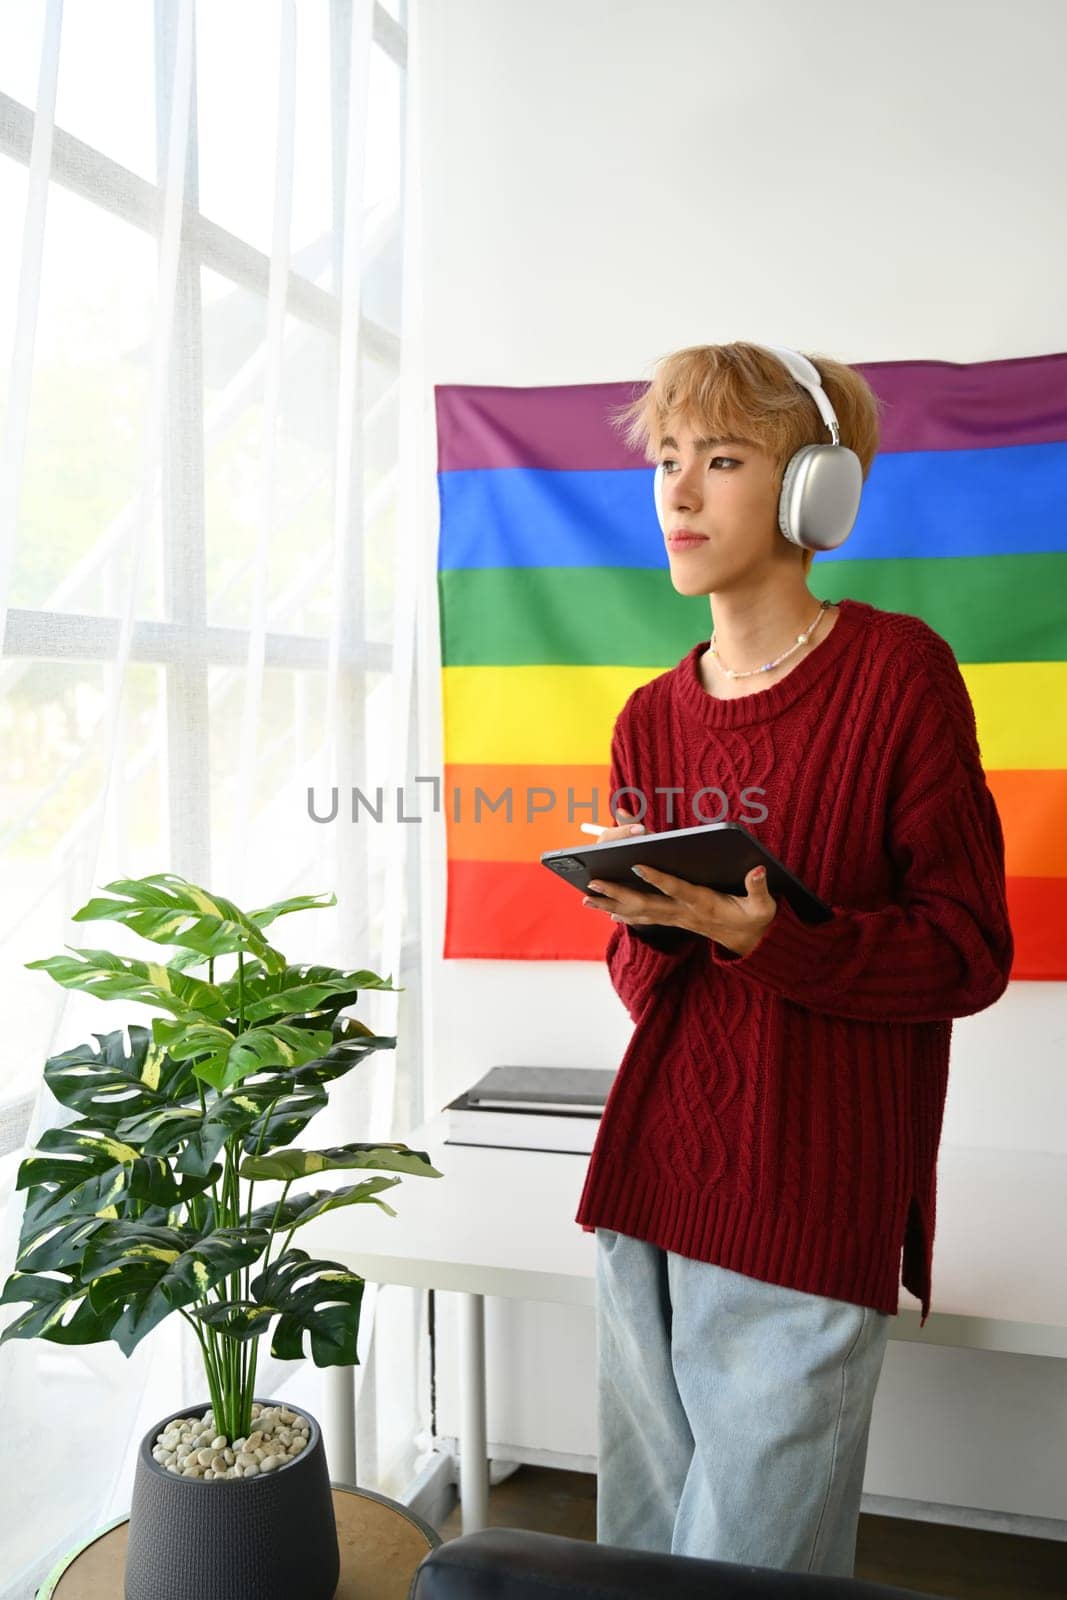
[(552, 1109), (571, 1088)]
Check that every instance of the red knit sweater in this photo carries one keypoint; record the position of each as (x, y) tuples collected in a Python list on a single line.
[(780, 1113)]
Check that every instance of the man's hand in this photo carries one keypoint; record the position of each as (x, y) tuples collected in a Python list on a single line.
[(736, 921)]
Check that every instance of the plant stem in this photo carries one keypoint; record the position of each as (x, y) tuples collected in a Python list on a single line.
[(210, 1367), (274, 1220), (231, 1189), (250, 1386)]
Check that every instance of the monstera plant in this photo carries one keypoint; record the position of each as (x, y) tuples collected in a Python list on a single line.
[(177, 1185)]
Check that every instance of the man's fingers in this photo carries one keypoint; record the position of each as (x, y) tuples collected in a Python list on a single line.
[(677, 888), (616, 897), (628, 822), (629, 905)]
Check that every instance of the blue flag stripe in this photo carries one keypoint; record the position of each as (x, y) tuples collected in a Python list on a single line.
[(931, 503)]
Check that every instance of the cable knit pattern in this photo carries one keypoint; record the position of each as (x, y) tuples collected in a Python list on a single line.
[(779, 1113)]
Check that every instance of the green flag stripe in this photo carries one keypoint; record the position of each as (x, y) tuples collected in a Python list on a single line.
[(989, 608)]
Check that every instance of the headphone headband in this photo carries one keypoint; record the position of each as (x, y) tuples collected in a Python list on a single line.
[(806, 374)]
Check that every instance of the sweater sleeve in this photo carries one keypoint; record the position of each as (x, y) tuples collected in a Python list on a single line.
[(639, 959), (943, 947)]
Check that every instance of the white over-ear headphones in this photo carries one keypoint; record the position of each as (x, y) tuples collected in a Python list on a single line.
[(822, 483)]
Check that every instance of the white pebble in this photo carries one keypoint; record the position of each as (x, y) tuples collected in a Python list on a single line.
[(193, 1447)]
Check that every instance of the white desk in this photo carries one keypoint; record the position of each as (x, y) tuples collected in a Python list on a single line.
[(501, 1222)]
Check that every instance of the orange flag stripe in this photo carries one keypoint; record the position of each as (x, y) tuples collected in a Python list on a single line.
[(550, 801), (540, 819)]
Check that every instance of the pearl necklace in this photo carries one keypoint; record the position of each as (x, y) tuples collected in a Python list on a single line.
[(802, 639)]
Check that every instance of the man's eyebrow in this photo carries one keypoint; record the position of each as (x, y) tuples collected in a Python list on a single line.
[(667, 443)]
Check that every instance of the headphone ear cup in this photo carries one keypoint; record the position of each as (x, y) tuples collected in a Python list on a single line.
[(657, 495), (786, 497), (820, 496)]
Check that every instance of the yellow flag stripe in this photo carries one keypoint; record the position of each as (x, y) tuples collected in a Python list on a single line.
[(532, 714), (537, 714)]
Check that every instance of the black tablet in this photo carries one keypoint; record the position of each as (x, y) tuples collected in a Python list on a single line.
[(716, 855)]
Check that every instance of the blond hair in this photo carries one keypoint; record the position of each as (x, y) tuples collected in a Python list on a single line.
[(741, 391)]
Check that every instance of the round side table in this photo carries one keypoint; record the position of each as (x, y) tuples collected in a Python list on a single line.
[(381, 1541)]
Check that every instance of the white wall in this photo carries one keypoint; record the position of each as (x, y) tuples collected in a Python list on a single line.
[(606, 181)]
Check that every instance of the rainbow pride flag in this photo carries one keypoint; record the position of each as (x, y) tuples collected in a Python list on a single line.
[(556, 602)]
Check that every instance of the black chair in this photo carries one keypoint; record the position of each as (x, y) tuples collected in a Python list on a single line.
[(514, 1564)]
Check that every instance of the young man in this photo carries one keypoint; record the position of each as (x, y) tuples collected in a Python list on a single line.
[(769, 1146)]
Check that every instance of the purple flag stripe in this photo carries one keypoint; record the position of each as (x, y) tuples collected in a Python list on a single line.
[(928, 405)]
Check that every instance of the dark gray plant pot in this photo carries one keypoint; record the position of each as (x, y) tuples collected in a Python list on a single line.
[(272, 1536)]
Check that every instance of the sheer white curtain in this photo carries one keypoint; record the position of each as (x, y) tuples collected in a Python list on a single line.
[(211, 383)]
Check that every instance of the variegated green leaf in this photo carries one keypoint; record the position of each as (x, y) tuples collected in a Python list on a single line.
[(287, 1165), (52, 1248), (296, 902), (168, 909), (281, 1116), (300, 991), (301, 1208), (263, 1114), (146, 983), (111, 1083), (202, 1043), (238, 1319), (198, 1135), (224, 1060), (80, 1171), (351, 1043), (59, 1311), (162, 1130), (318, 1298), (149, 1272)]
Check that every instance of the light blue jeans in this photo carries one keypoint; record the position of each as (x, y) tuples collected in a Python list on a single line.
[(733, 1414)]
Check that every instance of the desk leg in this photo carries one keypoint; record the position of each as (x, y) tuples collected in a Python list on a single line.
[(339, 1418), (473, 1453)]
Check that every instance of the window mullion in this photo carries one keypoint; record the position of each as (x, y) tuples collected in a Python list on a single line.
[(188, 750)]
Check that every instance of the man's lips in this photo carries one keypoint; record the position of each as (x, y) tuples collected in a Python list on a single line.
[(685, 541)]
